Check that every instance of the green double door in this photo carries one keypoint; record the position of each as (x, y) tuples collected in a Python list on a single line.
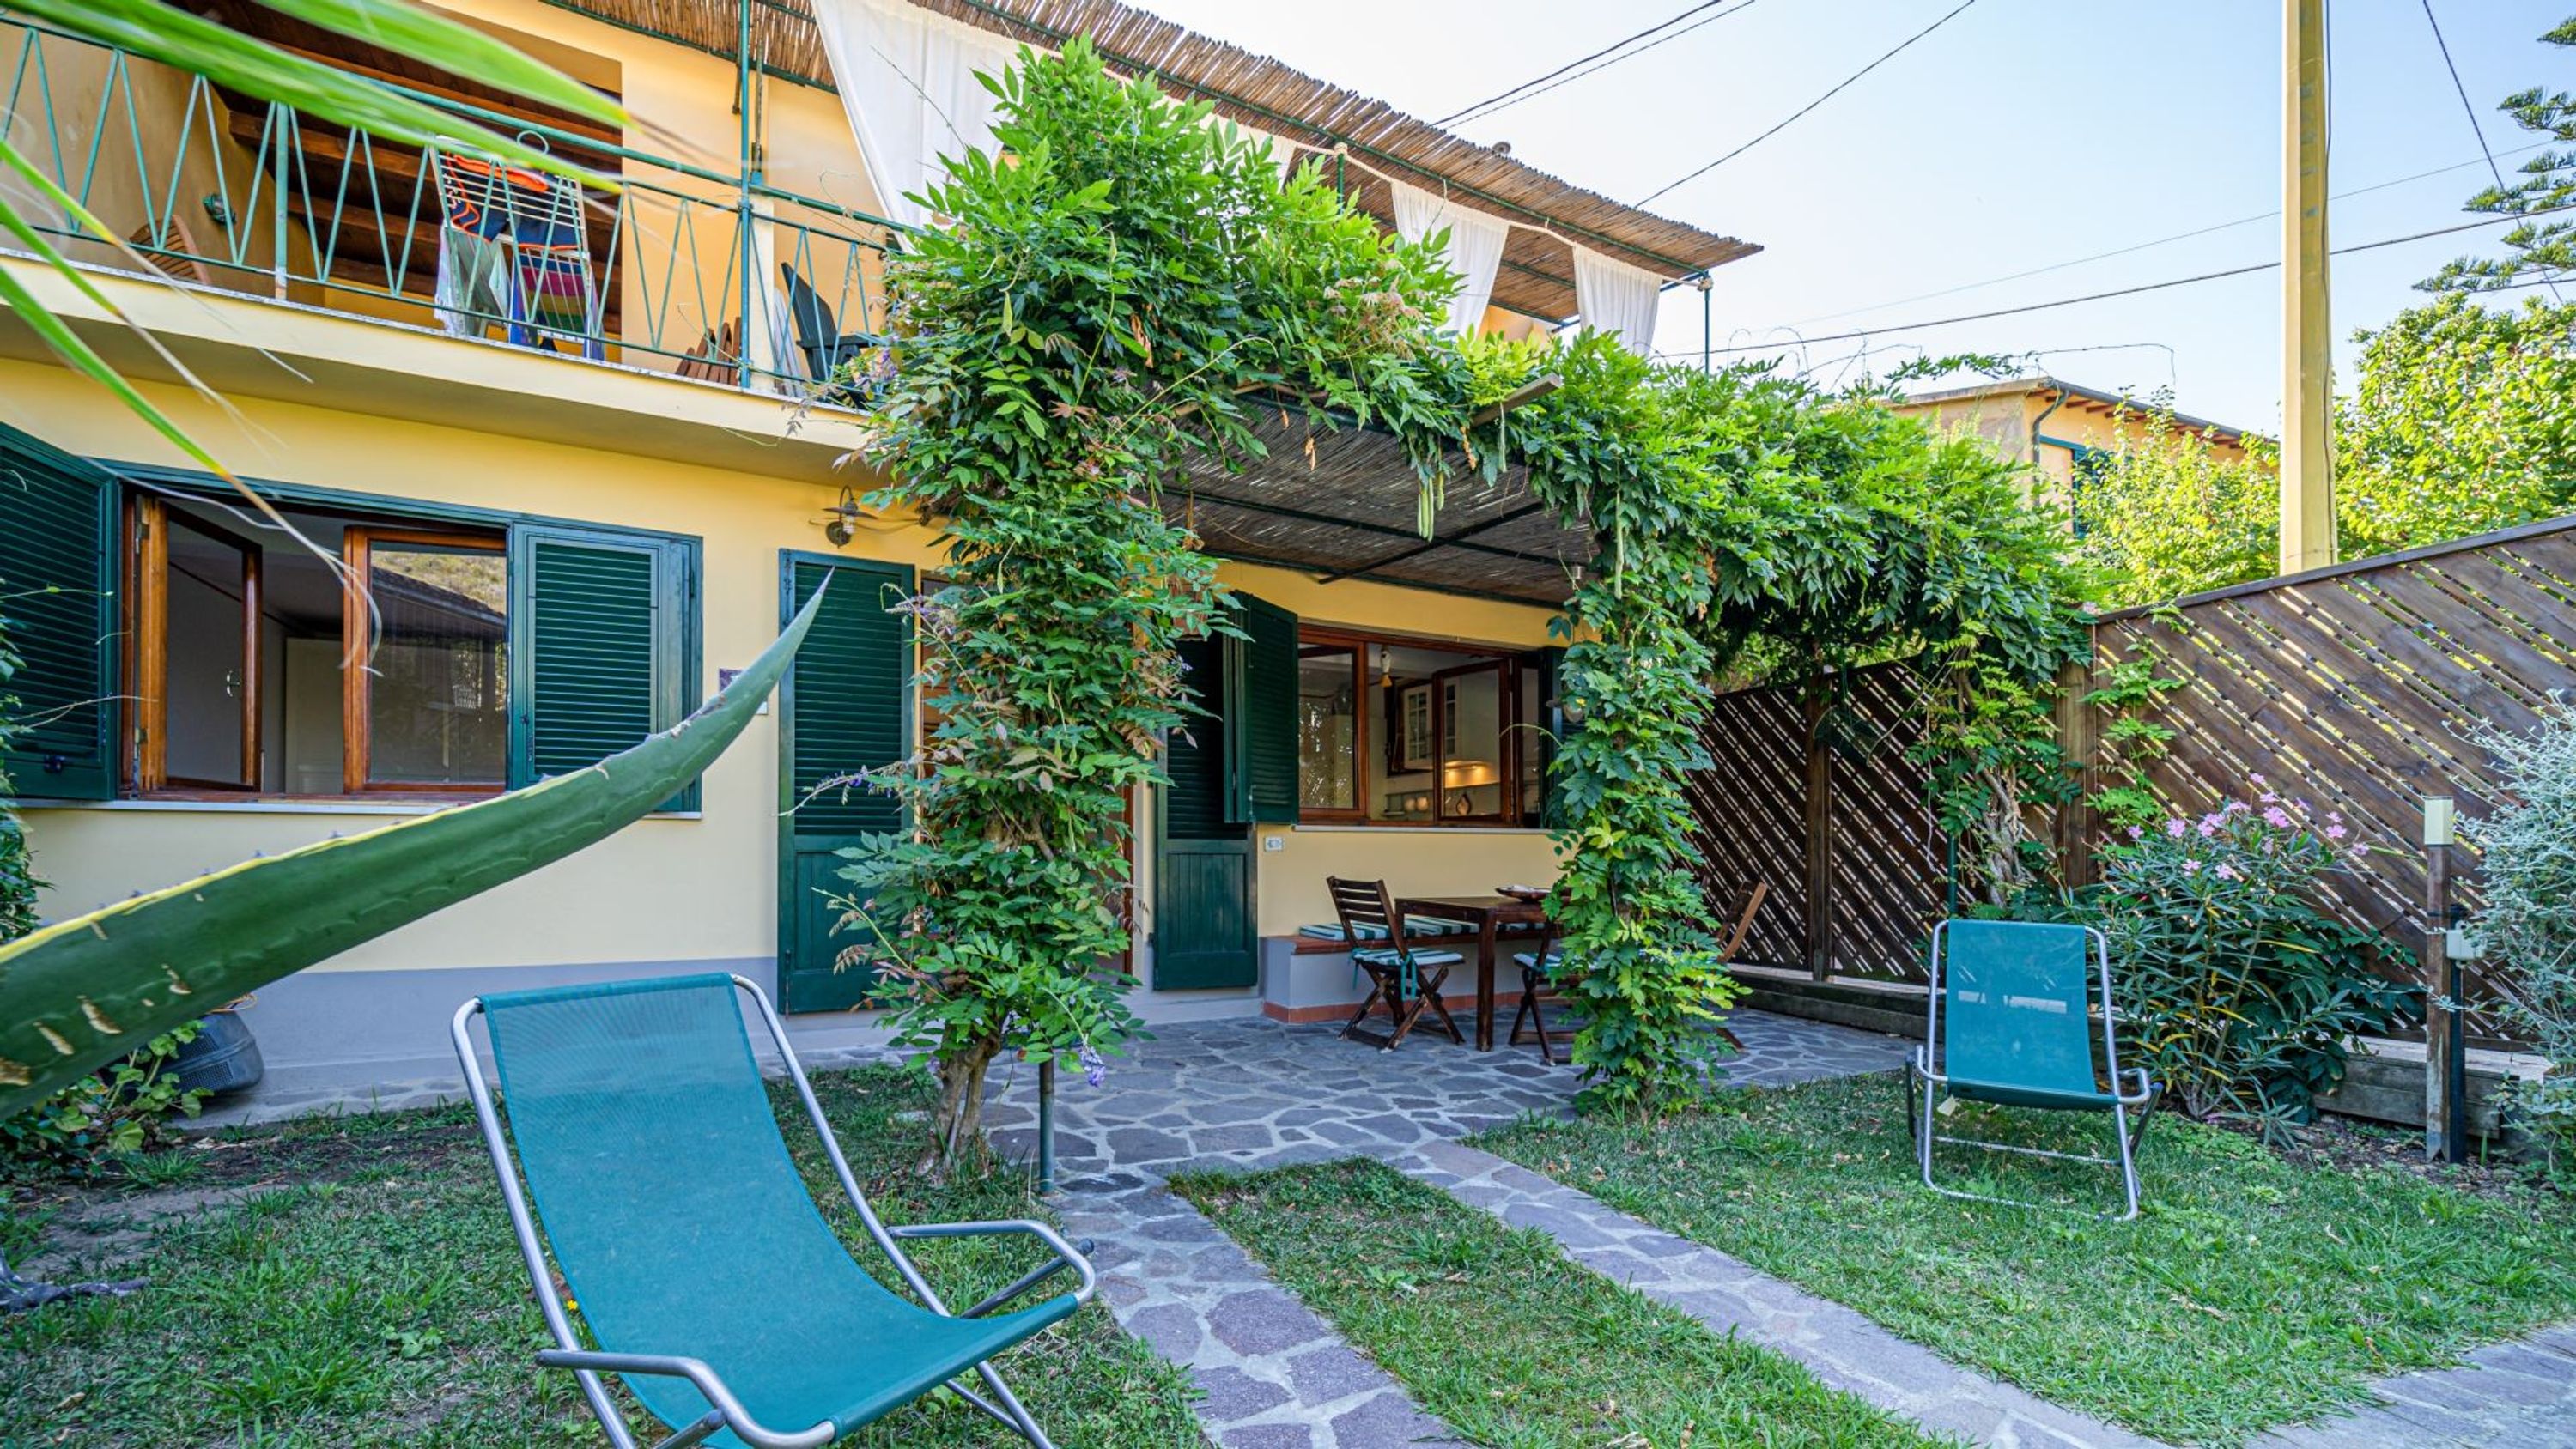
[(844, 707), (1230, 768)]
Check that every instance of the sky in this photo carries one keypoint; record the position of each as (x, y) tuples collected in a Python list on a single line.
[(2018, 135)]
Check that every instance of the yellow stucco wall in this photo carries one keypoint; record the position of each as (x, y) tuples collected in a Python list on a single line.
[(667, 888), (2021, 425)]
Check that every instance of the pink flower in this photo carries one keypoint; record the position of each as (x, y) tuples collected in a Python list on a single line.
[(2226, 872), (2336, 832), (2271, 797), (2137, 832), (2259, 782), (2277, 818), (2191, 867), (2232, 806), (2176, 826), (2209, 824)]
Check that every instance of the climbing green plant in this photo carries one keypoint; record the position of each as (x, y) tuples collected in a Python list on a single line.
[(1094, 312), (1103, 303)]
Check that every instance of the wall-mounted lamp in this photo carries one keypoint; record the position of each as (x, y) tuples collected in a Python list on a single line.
[(846, 517)]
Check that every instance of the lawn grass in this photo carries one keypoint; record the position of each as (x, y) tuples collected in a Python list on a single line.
[(1493, 1330), (367, 1291), (2254, 1290)]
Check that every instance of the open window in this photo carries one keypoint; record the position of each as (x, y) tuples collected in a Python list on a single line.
[(255, 672), (1392, 731)]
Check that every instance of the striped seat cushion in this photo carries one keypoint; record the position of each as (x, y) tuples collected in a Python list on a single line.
[(1370, 931), (1528, 960), (1390, 956)]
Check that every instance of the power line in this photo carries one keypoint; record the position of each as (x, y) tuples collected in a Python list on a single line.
[(2476, 127), (1838, 88), (1530, 89), (2141, 246), (2246, 270)]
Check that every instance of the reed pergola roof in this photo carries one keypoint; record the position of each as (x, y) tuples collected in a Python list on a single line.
[(1339, 501), (1549, 216)]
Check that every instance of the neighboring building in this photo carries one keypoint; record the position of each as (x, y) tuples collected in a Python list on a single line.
[(2055, 426), (530, 427)]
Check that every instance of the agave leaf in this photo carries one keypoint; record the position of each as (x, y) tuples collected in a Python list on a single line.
[(78, 995), (227, 57)]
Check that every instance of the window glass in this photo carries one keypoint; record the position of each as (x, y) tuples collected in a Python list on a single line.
[(1328, 718), (1471, 734), (437, 701), (210, 590)]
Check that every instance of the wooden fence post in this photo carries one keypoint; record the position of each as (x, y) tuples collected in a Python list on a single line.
[(2446, 1110), (1820, 844), (2078, 735)]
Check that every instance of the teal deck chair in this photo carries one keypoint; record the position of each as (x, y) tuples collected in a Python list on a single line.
[(2011, 1022), (702, 1268)]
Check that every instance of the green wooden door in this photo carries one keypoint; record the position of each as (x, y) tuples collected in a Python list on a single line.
[(57, 589), (845, 707), (1205, 934)]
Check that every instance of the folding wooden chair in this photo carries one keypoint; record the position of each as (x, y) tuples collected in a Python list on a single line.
[(1538, 985), (1406, 978)]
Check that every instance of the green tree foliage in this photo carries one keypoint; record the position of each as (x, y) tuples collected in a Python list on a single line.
[(2537, 251), (2167, 511), (2462, 420)]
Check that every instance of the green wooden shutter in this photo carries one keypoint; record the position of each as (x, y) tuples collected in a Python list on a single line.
[(850, 694), (1268, 710), (846, 706), (603, 636), (57, 595)]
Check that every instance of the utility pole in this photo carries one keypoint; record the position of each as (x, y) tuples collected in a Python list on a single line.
[(2307, 332)]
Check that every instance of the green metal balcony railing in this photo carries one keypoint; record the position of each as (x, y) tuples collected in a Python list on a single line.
[(686, 269)]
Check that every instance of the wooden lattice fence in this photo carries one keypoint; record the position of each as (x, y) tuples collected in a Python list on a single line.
[(2354, 688)]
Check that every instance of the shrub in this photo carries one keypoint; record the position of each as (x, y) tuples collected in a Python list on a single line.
[(2530, 921), (115, 1113), (2238, 992)]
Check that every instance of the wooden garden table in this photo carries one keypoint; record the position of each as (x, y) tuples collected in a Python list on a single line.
[(1489, 914)]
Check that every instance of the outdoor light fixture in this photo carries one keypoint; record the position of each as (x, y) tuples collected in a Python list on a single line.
[(846, 516)]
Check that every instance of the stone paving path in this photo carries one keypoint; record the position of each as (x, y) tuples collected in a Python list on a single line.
[(2508, 1396), (1844, 1349)]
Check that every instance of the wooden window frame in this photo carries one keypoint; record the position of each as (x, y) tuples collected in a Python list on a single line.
[(1356, 813), (1505, 661), (357, 550), (147, 622)]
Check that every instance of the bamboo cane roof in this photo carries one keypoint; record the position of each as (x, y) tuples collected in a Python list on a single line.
[(1338, 500), (1548, 214)]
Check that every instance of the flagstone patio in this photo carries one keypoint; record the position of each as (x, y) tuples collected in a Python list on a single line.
[(1250, 1093)]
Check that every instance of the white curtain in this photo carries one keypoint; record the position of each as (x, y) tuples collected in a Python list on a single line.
[(907, 81), (1475, 246), (1614, 297)]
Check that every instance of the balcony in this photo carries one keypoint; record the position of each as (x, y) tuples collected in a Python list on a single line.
[(215, 189)]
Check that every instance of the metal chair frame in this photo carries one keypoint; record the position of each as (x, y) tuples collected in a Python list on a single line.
[(587, 1365), (1926, 1085)]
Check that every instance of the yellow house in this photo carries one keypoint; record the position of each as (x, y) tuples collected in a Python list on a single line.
[(583, 454), (2055, 426)]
